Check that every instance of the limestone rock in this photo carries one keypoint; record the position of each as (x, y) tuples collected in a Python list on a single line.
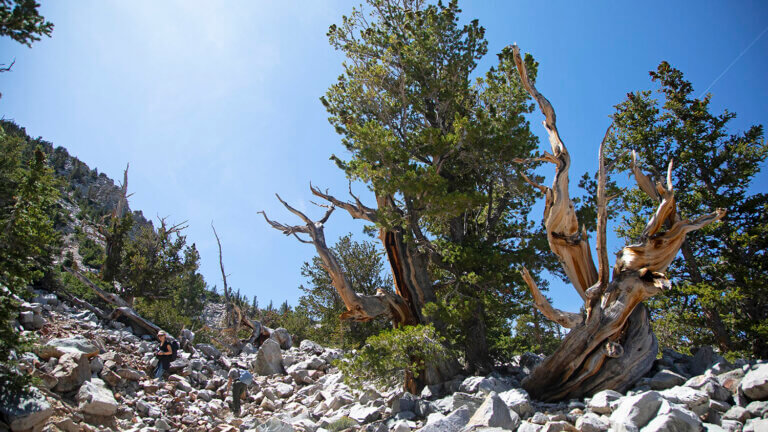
[(269, 359), (755, 383), (283, 390), (453, 422), (518, 401), (709, 385), (310, 347), (209, 351), (248, 349), (95, 398), (529, 427), (131, 374), (24, 410), (731, 426), (457, 400), (666, 379), (731, 379), (697, 401), (559, 426), (72, 370), (591, 422), (58, 347), (364, 414), (403, 403), (757, 408), (737, 413), (704, 358), (282, 337), (494, 413), (636, 411), (110, 377), (31, 317), (756, 425), (673, 418), (275, 425), (486, 385), (97, 364), (601, 401)]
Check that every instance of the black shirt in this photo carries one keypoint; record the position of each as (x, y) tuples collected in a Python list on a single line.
[(165, 359)]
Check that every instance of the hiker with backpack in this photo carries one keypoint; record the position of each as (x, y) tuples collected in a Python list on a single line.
[(165, 354), (238, 381)]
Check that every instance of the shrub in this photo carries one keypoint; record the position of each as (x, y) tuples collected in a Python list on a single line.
[(387, 357), (341, 424), (92, 252)]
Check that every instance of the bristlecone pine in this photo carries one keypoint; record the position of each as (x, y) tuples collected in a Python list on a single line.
[(612, 346)]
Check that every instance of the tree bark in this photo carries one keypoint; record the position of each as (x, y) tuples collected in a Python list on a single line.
[(413, 287), (359, 307), (612, 345)]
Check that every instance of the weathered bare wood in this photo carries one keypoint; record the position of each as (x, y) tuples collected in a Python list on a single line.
[(359, 307), (221, 265), (651, 189), (613, 346), (602, 217), (82, 303), (569, 244), (136, 320), (357, 210), (409, 266), (123, 310), (112, 299), (565, 319)]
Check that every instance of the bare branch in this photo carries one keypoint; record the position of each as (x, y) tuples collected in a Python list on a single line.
[(542, 188), (656, 252), (301, 239), (325, 217), (602, 216), (7, 69), (645, 182), (544, 105), (286, 229), (357, 211), (122, 203), (568, 243), (565, 319), (359, 307), (221, 264), (294, 211)]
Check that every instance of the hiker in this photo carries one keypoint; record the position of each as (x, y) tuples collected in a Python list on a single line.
[(164, 353), (238, 381)]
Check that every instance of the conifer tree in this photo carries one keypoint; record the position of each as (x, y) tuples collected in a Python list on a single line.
[(721, 278)]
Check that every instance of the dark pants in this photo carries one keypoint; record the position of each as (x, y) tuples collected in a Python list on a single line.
[(238, 389)]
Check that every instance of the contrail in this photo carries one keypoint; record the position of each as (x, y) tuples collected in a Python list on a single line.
[(733, 62)]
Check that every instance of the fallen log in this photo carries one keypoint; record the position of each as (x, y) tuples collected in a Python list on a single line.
[(82, 303), (135, 320), (110, 298)]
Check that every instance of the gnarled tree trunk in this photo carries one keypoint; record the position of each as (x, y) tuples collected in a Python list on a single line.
[(612, 345), (413, 288)]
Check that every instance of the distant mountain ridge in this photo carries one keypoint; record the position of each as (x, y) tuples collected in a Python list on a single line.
[(95, 191)]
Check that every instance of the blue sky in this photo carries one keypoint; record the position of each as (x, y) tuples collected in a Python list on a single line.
[(215, 104)]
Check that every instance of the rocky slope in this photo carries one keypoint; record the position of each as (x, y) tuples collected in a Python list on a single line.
[(95, 377)]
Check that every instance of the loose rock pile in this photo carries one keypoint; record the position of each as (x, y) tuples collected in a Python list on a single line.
[(95, 377)]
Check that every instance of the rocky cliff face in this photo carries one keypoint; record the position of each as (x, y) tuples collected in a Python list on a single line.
[(96, 375)]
